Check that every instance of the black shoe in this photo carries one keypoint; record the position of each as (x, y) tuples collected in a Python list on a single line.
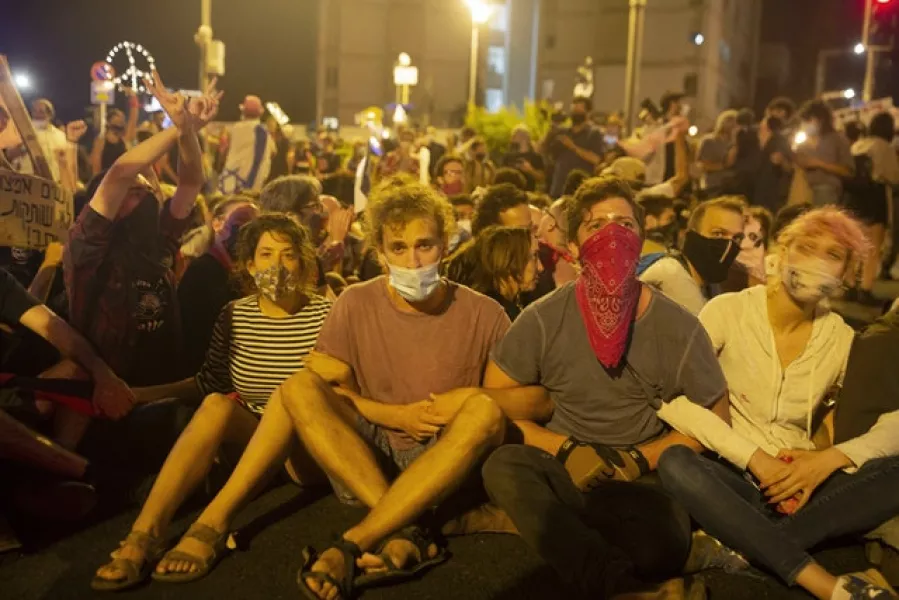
[(851, 295)]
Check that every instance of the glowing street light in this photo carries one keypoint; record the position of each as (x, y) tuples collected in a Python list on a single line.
[(859, 48), (480, 14), (23, 81), (693, 131), (698, 39), (849, 94)]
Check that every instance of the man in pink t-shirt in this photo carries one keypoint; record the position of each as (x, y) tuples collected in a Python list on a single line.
[(393, 389)]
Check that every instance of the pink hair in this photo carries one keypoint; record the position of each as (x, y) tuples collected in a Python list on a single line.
[(836, 223)]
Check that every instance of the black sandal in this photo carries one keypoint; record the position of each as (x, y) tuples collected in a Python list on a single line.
[(393, 575), (351, 553)]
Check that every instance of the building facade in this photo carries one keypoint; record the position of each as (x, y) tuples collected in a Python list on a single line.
[(532, 49)]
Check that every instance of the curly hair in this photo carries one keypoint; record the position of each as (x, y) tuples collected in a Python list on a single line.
[(495, 201), (283, 228), (289, 194), (592, 192), (502, 253), (831, 221), (397, 202)]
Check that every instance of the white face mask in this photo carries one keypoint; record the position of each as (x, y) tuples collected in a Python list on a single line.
[(40, 124), (465, 225), (809, 282), (415, 285), (811, 128)]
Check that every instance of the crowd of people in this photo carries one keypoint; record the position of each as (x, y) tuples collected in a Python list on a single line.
[(597, 341)]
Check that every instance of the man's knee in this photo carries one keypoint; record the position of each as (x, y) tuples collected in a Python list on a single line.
[(506, 467), (484, 418), (302, 392), (675, 463)]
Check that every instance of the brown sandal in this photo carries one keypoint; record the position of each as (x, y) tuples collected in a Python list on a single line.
[(205, 534), (134, 573)]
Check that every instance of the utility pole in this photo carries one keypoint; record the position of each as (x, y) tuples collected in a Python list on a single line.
[(203, 37), (634, 58), (870, 57)]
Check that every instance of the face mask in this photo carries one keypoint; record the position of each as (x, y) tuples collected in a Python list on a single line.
[(811, 128), (40, 124), (752, 257), (480, 156), (665, 235), (415, 285), (454, 188), (578, 119), (140, 229), (607, 290), (809, 282), (712, 258), (276, 282), (464, 225)]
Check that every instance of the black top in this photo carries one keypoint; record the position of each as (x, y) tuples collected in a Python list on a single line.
[(513, 309), (15, 300), (111, 152), (514, 158), (205, 289), (871, 386)]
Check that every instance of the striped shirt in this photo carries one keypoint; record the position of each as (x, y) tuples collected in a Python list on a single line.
[(255, 353)]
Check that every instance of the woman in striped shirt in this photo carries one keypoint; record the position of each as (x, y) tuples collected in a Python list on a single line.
[(258, 342)]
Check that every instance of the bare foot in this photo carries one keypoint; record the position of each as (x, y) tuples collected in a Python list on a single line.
[(331, 562), (187, 545), (402, 553), (128, 551)]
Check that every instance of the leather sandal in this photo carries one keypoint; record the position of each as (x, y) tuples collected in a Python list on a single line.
[(346, 586), (395, 574), (135, 572), (205, 534)]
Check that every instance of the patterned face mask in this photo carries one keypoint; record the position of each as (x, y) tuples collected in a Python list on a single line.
[(276, 282)]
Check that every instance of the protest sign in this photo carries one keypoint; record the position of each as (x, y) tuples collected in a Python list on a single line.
[(11, 103), (33, 211)]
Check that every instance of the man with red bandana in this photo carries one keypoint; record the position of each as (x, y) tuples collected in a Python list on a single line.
[(610, 351)]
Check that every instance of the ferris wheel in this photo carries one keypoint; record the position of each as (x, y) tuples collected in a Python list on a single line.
[(140, 64)]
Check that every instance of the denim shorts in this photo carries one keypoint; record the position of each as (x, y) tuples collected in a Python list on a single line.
[(392, 461)]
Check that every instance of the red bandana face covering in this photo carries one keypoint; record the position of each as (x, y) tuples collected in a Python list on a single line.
[(608, 290)]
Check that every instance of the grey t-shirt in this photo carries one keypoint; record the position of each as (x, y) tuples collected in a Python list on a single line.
[(714, 150), (831, 148), (669, 351), (589, 138)]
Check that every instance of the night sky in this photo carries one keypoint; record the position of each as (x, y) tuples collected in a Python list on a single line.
[(271, 45)]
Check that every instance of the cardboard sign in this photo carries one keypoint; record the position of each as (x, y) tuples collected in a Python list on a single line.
[(33, 211), (11, 103)]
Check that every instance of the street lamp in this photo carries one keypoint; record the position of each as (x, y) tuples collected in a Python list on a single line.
[(480, 14), (859, 48), (23, 81), (634, 58), (404, 76)]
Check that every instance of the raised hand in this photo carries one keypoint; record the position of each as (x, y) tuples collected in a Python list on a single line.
[(202, 110), (75, 130), (174, 104)]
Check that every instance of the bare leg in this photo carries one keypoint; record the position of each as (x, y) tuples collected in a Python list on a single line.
[(269, 447), (324, 422), (817, 581), (21, 444), (219, 419), (476, 428), (69, 426)]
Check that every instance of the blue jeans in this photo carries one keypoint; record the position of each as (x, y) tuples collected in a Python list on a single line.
[(606, 541), (733, 510)]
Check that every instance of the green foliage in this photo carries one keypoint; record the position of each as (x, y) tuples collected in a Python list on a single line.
[(496, 128)]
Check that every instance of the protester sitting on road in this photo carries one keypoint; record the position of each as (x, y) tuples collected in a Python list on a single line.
[(511, 176), (610, 351), (208, 283), (258, 342), (118, 260), (506, 266), (558, 265), (711, 246), (396, 395), (782, 489)]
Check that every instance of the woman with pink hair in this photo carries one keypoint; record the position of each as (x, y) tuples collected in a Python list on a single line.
[(778, 490)]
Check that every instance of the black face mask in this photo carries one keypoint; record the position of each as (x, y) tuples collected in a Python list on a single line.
[(140, 229), (315, 224), (480, 156), (665, 235), (712, 258), (578, 119)]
